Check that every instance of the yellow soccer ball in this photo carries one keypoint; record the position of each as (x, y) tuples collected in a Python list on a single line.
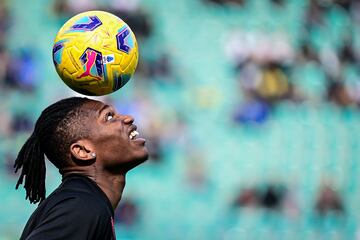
[(95, 53)]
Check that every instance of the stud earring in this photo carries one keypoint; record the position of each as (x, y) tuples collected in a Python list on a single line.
[(93, 155)]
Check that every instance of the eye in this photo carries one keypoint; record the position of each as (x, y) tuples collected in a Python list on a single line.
[(109, 116)]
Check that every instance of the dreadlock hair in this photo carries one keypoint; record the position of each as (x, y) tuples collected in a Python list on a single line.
[(58, 126)]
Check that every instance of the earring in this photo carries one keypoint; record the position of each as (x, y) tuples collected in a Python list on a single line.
[(93, 155)]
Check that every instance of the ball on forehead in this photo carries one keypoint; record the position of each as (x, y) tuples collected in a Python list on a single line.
[(95, 53)]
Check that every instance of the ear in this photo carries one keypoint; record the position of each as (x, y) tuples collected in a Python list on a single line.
[(82, 150)]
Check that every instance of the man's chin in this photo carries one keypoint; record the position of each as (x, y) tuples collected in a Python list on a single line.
[(139, 159), (144, 156)]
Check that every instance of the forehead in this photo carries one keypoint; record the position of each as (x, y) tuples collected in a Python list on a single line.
[(93, 106), (96, 107)]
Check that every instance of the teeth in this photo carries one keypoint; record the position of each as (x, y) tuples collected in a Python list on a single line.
[(133, 134)]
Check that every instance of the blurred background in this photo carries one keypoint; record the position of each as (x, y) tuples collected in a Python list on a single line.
[(250, 109)]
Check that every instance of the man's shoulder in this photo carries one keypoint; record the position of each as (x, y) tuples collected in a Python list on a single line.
[(73, 198), (60, 204), (72, 207), (74, 195)]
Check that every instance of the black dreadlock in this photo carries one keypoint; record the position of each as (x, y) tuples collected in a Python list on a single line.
[(55, 130)]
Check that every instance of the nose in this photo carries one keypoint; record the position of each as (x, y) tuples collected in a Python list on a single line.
[(127, 119)]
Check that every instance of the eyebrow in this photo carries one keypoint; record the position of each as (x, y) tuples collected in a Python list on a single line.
[(103, 108)]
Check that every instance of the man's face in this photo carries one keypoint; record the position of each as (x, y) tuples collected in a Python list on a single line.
[(114, 136)]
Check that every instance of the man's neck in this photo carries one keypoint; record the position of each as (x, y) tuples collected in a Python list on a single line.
[(111, 185)]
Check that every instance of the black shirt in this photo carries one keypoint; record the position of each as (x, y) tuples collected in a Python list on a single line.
[(77, 209)]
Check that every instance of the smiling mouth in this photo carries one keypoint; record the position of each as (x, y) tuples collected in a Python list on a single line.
[(133, 134)]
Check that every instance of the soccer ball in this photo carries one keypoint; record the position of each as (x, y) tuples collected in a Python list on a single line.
[(95, 53)]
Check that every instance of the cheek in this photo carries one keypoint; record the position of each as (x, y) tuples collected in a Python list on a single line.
[(113, 145)]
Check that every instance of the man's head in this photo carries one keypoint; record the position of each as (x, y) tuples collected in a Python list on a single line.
[(112, 138), (75, 133)]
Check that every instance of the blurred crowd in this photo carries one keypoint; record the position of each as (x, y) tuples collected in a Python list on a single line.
[(280, 198), (130, 11), (18, 73), (18, 70), (269, 66)]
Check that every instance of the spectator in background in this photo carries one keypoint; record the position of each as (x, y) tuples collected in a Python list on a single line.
[(278, 3), (161, 67), (328, 200), (338, 94), (61, 9), (274, 83), (18, 70), (158, 69), (127, 213), (5, 21), (347, 53), (251, 111), (9, 164), (21, 71), (4, 66), (247, 197), (65, 9), (314, 15), (5, 122), (307, 53), (228, 2), (270, 196), (345, 4), (130, 11), (355, 11), (21, 123)]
